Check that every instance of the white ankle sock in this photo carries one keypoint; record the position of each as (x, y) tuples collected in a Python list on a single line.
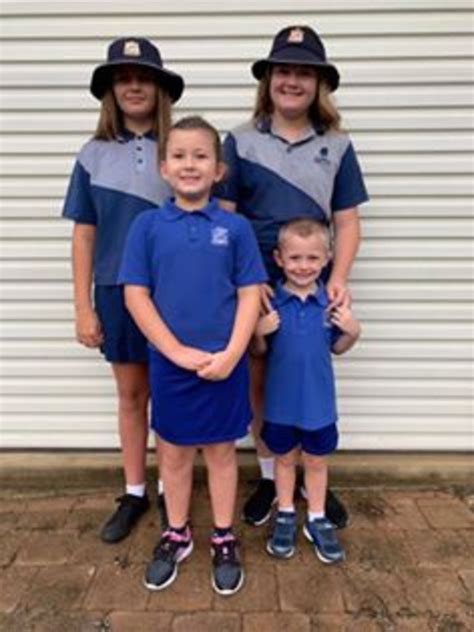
[(315, 515), (290, 509), (159, 487), (267, 467), (136, 490)]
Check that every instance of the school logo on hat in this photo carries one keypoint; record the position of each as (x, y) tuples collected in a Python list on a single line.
[(131, 48), (220, 236), (295, 36)]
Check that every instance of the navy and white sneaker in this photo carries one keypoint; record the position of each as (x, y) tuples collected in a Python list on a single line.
[(227, 576), (321, 533), (172, 549), (282, 540)]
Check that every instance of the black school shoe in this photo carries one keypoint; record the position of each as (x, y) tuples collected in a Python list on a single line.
[(258, 507), (122, 521)]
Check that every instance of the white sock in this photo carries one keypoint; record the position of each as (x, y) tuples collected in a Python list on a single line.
[(313, 515), (136, 490), (159, 487), (290, 509), (267, 467)]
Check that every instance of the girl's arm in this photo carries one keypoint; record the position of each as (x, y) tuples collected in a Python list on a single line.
[(88, 329), (147, 318), (346, 243), (223, 362), (342, 317)]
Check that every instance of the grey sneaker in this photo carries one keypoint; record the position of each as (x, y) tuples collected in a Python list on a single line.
[(227, 574), (172, 549), (282, 540), (320, 532)]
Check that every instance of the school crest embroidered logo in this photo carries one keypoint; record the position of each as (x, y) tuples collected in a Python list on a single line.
[(220, 236), (295, 36), (131, 49)]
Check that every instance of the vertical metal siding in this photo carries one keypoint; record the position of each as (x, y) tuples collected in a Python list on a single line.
[(406, 98)]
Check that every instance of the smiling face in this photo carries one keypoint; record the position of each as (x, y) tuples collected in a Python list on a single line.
[(191, 166), (292, 89), (135, 91), (302, 260)]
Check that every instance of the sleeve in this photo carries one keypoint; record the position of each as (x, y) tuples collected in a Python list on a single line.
[(228, 189), (349, 188), (78, 204), (248, 264), (135, 268)]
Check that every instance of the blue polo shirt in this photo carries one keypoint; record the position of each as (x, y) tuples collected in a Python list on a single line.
[(111, 183), (299, 378), (193, 263), (272, 181)]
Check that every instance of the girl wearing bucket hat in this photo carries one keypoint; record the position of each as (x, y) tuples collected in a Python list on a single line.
[(292, 160), (115, 178)]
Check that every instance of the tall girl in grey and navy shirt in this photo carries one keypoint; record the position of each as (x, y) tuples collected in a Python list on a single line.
[(115, 178)]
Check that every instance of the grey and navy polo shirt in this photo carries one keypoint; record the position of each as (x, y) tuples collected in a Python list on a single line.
[(112, 182), (272, 181)]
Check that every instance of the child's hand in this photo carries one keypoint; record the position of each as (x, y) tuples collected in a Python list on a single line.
[(88, 329), (190, 358), (342, 317), (267, 324), (219, 368), (266, 294), (338, 294)]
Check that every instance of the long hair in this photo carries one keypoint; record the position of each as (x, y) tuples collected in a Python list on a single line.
[(322, 111), (110, 123)]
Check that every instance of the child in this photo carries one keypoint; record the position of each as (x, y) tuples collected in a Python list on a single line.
[(293, 160), (299, 405), (114, 179), (192, 272)]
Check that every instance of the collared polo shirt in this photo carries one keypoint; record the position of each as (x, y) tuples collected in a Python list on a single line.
[(299, 378), (111, 183), (193, 264), (273, 181)]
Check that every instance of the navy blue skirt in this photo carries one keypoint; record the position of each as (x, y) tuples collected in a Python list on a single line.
[(187, 410), (123, 341)]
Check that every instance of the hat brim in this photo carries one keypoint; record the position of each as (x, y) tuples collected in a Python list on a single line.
[(329, 71), (102, 78)]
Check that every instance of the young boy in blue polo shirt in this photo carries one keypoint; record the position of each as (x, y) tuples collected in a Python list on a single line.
[(300, 416)]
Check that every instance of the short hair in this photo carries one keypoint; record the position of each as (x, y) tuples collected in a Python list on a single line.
[(305, 227), (194, 123)]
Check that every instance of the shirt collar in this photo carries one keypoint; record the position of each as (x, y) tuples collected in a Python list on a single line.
[(125, 135), (172, 212), (264, 126), (282, 295)]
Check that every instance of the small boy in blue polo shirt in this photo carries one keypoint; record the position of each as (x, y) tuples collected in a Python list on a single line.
[(300, 414)]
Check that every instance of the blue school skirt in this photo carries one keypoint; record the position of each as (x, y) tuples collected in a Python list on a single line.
[(123, 341), (187, 410)]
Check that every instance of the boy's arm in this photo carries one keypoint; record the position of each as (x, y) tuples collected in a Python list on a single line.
[(223, 362), (266, 325), (88, 329), (149, 321)]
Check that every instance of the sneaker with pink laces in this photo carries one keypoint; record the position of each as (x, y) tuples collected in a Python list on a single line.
[(172, 548)]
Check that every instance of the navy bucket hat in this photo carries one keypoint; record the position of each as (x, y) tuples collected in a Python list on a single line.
[(298, 45), (136, 51)]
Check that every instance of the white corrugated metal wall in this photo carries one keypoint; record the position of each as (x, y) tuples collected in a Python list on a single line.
[(406, 98)]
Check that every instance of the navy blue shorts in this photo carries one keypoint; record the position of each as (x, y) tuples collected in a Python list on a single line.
[(281, 439), (123, 341)]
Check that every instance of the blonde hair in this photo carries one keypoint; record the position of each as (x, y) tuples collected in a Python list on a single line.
[(323, 111), (110, 123), (305, 227)]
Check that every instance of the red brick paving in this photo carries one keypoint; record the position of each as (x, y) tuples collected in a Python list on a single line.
[(409, 568)]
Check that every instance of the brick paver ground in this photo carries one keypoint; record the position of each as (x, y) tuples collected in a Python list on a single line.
[(409, 568)]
